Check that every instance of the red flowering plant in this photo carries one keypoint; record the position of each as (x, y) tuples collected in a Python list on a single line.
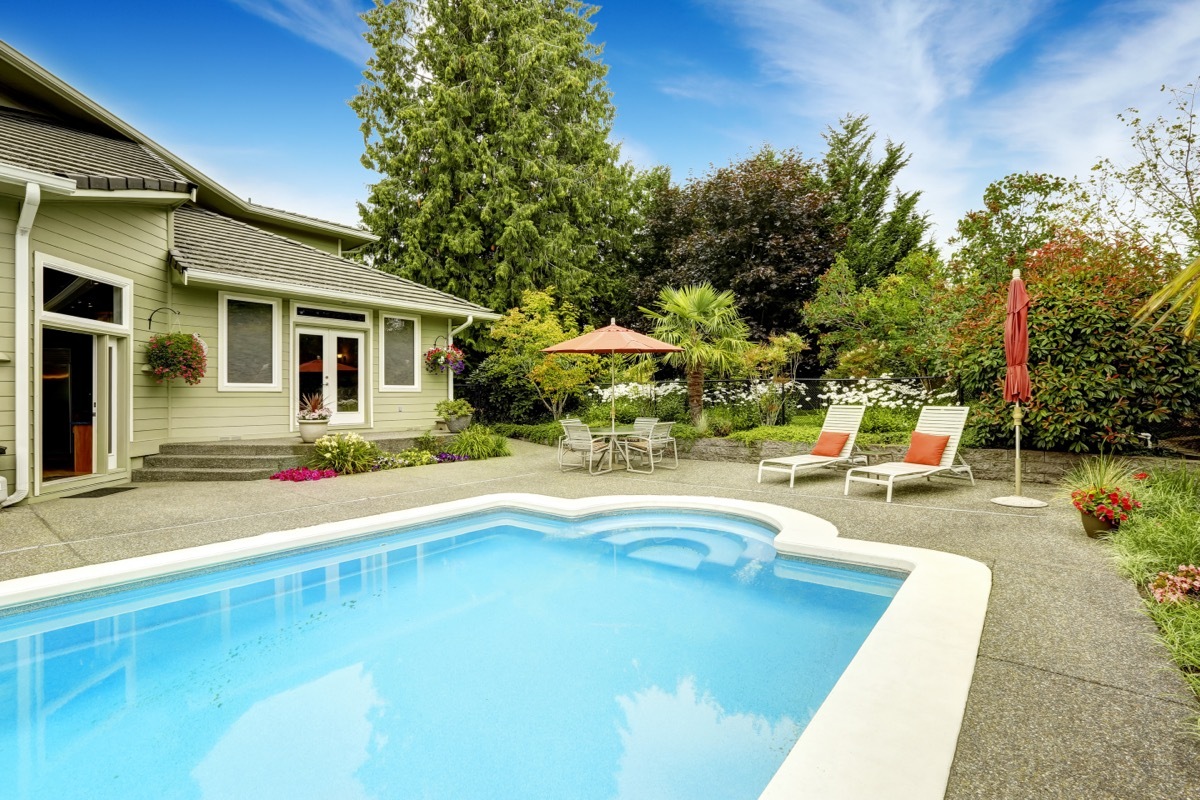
[(1112, 506), (1095, 488), (440, 359), (177, 355)]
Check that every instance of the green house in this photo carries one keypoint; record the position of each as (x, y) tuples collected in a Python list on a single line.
[(107, 238)]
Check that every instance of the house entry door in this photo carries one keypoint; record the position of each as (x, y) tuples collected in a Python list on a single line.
[(329, 363), (69, 398)]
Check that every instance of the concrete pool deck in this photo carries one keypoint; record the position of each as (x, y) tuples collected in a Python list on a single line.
[(1072, 697)]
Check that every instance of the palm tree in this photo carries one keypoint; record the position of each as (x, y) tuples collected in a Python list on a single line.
[(706, 324), (1179, 290)]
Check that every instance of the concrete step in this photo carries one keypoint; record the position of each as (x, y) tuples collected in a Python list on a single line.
[(186, 474), (240, 448), (239, 461)]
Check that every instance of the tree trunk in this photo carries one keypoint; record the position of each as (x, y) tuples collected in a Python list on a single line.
[(695, 391)]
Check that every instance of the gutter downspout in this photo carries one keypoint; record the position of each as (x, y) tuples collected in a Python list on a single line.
[(450, 340), (21, 400)]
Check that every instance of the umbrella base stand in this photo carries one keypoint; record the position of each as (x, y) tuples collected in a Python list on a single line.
[(1016, 501)]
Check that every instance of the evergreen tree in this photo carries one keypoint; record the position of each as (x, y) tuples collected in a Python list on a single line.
[(488, 121), (877, 237)]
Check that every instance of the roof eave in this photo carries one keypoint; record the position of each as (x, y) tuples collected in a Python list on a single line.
[(207, 277), (222, 200)]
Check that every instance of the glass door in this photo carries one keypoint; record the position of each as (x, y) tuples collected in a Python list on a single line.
[(329, 363), (68, 386)]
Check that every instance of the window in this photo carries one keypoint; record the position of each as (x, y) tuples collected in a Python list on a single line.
[(329, 313), (249, 331), (74, 296), (400, 338)]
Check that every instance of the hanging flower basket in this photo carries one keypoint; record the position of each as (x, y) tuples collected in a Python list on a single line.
[(177, 355), (441, 359)]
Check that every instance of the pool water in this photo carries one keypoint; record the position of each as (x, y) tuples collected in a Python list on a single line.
[(659, 655)]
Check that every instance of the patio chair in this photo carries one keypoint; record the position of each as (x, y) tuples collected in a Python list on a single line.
[(932, 451), (641, 430), (562, 439), (651, 449), (593, 451), (835, 446)]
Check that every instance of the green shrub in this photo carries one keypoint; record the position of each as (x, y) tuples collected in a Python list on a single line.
[(479, 442), (346, 453), (428, 442), (448, 409), (416, 457), (879, 419), (545, 433), (1098, 379), (720, 420)]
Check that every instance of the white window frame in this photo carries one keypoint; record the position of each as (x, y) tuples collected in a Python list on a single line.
[(418, 357), (54, 319), (223, 382)]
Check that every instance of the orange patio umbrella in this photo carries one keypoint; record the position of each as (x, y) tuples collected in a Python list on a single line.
[(1016, 375), (612, 339)]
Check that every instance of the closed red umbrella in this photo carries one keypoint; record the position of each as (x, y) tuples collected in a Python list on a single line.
[(1016, 342), (611, 339), (1016, 375)]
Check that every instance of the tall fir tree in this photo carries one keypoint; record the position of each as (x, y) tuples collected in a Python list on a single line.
[(489, 123), (878, 237)]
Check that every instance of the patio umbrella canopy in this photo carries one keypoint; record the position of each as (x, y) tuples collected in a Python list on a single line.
[(612, 339), (1016, 342), (1016, 375)]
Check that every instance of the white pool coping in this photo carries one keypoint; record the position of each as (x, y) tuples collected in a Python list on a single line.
[(888, 728)]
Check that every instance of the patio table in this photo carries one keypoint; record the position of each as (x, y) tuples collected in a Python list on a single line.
[(613, 434)]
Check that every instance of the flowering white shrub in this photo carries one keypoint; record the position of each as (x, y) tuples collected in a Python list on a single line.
[(883, 392)]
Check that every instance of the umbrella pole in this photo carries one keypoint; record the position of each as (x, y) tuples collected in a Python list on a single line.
[(612, 414), (1017, 414)]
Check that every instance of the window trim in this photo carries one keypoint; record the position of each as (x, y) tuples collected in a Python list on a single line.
[(223, 382), (54, 319), (384, 386)]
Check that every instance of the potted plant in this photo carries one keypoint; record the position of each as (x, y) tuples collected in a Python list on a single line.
[(457, 414), (1099, 489), (313, 417), (440, 359), (177, 355)]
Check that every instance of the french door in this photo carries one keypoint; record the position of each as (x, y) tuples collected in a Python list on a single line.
[(329, 362)]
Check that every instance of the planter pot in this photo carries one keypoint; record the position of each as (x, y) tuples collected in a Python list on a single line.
[(458, 424), (312, 429), (1096, 528)]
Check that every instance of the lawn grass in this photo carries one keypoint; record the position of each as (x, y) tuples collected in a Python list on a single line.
[(1161, 537)]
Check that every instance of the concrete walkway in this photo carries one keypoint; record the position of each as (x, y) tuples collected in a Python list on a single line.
[(1072, 696)]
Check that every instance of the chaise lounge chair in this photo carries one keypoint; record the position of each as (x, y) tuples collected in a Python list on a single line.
[(932, 451), (839, 421)]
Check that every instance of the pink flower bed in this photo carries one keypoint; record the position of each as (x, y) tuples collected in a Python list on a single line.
[(299, 474)]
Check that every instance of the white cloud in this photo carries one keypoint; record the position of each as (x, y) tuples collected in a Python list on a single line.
[(332, 24), (948, 80)]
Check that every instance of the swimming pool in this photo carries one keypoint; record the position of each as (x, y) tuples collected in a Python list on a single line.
[(428, 690)]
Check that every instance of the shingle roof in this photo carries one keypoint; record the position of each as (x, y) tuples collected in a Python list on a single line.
[(208, 242), (40, 143)]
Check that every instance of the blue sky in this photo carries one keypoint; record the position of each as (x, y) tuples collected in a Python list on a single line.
[(254, 92)]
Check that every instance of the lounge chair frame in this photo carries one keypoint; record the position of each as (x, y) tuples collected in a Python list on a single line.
[(935, 420), (839, 419)]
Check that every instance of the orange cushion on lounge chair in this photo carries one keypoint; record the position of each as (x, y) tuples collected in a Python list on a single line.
[(829, 443), (925, 448)]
